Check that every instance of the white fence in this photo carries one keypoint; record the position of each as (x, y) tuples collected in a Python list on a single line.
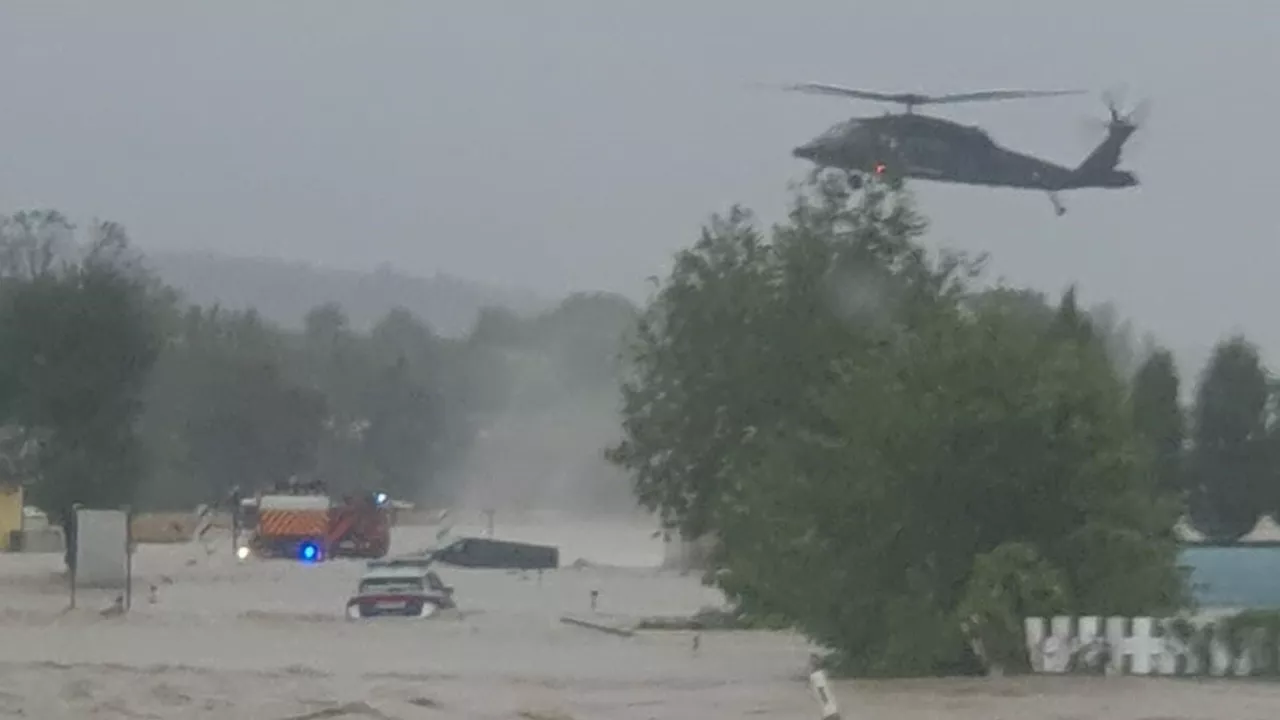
[(1146, 646)]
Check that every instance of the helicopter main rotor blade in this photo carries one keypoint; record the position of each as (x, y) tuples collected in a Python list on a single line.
[(919, 99), (826, 89), (1000, 95)]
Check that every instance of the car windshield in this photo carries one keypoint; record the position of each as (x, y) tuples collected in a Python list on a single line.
[(390, 585)]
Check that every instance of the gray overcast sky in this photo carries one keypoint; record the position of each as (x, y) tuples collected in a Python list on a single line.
[(575, 144)]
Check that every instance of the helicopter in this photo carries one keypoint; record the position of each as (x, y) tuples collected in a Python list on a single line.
[(910, 145)]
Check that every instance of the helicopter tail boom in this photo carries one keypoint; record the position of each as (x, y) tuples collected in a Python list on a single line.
[(1099, 169), (1106, 156)]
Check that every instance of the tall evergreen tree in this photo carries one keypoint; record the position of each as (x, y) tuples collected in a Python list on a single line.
[(1158, 418), (1228, 465)]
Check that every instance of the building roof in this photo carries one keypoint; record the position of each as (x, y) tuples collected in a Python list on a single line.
[(1266, 531)]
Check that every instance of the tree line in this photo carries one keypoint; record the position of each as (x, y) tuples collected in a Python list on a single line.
[(903, 460), (115, 390), (896, 457)]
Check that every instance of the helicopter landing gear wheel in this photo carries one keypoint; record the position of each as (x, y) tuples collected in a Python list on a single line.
[(855, 180), (1058, 208)]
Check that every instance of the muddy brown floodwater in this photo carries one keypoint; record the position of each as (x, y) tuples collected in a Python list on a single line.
[(230, 640)]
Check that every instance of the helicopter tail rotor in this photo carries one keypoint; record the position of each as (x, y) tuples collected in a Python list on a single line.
[(1135, 118), (1118, 120)]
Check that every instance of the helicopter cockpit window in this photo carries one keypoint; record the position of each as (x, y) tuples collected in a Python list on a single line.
[(840, 131)]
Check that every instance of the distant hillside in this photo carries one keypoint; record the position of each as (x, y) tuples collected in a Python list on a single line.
[(284, 291)]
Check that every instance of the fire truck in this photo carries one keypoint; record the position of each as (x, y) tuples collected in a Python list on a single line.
[(313, 526)]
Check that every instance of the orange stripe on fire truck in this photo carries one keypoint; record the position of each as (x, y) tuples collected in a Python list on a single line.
[(293, 523)]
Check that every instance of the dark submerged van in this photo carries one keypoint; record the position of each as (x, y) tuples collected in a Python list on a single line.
[(478, 552)]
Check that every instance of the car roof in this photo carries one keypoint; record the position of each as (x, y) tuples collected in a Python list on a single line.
[(400, 572)]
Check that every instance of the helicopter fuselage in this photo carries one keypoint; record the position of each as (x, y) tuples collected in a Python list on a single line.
[(930, 148)]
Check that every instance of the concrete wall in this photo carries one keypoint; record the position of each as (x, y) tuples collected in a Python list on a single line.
[(43, 540), (11, 497)]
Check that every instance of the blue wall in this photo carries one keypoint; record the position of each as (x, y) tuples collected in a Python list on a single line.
[(1237, 577)]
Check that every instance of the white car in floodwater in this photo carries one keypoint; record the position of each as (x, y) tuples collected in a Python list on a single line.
[(399, 589)]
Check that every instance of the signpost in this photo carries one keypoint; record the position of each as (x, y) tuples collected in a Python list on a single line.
[(101, 552)]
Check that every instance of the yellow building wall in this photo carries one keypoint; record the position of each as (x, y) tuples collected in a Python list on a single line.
[(10, 512)]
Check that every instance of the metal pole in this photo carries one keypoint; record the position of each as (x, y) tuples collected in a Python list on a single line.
[(818, 682), (73, 546), (128, 557)]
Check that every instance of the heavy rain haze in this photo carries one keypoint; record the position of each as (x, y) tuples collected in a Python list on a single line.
[(556, 261), (575, 146)]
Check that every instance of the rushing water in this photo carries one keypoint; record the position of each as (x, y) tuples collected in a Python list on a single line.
[(231, 640), (268, 639)]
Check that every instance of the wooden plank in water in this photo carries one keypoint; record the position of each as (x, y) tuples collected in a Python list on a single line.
[(593, 625)]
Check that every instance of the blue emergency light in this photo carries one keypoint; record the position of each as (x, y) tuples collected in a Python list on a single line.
[(308, 552)]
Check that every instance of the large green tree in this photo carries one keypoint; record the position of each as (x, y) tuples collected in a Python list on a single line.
[(1229, 469), (743, 331), (861, 430), (79, 334)]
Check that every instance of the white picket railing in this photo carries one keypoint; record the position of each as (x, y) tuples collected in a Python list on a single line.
[(1138, 646)]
